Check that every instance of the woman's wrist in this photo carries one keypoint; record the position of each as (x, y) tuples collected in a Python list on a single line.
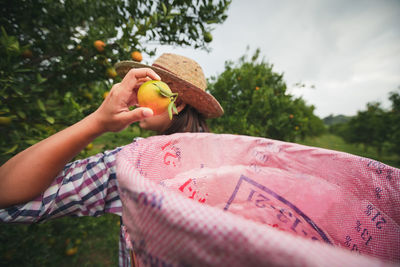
[(94, 125)]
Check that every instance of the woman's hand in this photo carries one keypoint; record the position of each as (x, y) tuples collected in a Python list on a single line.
[(114, 114)]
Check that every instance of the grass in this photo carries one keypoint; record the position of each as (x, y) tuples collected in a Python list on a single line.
[(96, 239), (45, 244), (334, 142)]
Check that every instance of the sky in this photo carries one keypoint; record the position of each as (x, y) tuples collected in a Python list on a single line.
[(347, 53)]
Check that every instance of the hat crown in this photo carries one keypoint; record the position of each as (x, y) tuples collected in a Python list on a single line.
[(183, 67)]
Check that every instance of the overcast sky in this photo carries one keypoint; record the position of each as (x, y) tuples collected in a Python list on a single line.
[(349, 50)]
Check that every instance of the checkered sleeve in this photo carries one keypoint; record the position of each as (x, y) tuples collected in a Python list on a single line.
[(86, 187)]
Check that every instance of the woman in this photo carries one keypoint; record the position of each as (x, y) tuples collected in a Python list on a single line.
[(39, 184)]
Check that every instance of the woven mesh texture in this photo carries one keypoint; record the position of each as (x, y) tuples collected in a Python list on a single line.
[(227, 200)]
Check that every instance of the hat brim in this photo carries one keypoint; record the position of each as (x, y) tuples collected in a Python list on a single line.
[(190, 94)]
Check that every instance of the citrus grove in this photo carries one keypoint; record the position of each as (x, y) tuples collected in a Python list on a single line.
[(57, 57)]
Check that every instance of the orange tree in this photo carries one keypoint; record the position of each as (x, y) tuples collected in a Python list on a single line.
[(57, 56), (256, 103), (369, 127)]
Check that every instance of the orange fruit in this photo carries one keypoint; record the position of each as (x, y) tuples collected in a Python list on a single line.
[(111, 73), (27, 53), (105, 94), (71, 251), (136, 56), (207, 37), (257, 88), (157, 96), (89, 146), (88, 95), (5, 121), (99, 45), (291, 116)]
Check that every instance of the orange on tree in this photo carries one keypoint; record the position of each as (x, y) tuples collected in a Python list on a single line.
[(88, 95), (27, 53), (71, 251), (5, 121), (291, 116), (207, 37), (99, 45), (105, 94), (89, 146), (111, 73), (157, 96), (136, 56)]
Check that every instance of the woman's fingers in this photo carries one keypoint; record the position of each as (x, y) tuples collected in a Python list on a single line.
[(132, 100), (134, 75), (141, 81)]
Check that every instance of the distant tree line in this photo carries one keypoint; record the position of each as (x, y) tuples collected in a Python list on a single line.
[(374, 127)]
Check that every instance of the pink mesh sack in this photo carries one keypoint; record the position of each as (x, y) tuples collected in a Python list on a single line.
[(228, 200)]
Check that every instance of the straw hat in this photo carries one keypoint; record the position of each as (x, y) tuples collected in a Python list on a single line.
[(185, 77)]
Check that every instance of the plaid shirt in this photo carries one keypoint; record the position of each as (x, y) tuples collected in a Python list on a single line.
[(86, 187)]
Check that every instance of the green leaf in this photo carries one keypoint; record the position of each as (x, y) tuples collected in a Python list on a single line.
[(174, 109), (13, 47), (40, 79), (130, 23), (164, 8), (50, 119), (4, 32), (18, 91), (170, 110), (212, 21), (11, 150), (21, 114), (31, 141), (41, 105), (23, 70), (75, 104), (155, 17), (163, 92)]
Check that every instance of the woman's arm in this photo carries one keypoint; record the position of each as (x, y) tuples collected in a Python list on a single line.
[(30, 172)]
